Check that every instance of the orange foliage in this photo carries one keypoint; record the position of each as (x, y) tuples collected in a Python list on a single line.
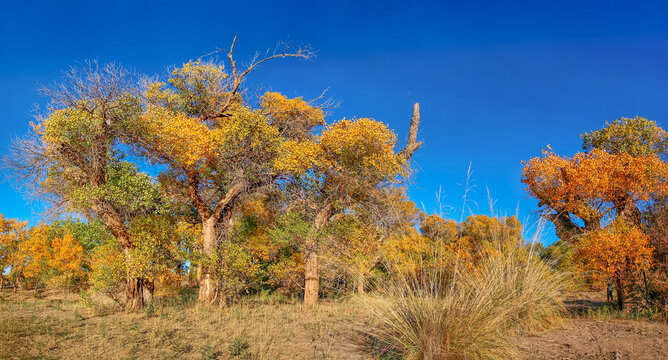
[(588, 184), (67, 255), (617, 251), (12, 233), (56, 260)]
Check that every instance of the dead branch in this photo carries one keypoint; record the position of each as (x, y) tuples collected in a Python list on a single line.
[(238, 76), (412, 145)]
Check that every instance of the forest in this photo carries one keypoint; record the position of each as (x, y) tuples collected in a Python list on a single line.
[(188, 203)]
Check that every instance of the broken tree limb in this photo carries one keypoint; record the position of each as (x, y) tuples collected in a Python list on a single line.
[(412, 145)]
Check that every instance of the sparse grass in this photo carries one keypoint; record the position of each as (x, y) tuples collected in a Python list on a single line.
[(608, 312), (251, 329), (472, 318)]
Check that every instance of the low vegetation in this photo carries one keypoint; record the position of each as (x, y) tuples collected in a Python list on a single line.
[(471, 316)]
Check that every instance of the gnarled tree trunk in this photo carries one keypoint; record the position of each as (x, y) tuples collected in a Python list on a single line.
[(566, 229), (139, 291), (628, 210)]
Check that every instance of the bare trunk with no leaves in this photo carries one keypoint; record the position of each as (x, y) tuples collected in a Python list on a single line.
[(311, 278), (311, 272), (208, 287)]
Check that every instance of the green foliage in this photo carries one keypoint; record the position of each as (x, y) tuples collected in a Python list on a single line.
[(108, 267), (291, 229), (90, 234), (634, 136), (134, 191)]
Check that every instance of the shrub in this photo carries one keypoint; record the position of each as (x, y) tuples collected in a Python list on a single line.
[(469, 317)]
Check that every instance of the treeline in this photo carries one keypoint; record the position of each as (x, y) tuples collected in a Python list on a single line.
[(193, 180), (263, 253), (192, 176)]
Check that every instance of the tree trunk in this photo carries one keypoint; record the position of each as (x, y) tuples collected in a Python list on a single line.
[(149, 289), (628, 210), (311, 274), (620, 294), (566, 229), (208, 286), (135, 294), (361, 284), (139, 291), (2, 283), (311, 278)]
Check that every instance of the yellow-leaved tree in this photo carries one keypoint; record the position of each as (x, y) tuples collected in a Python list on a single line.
[(346, 165), (215, 148), (12, 233)]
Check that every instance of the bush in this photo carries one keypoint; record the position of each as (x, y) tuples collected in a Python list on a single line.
[(470, 317)]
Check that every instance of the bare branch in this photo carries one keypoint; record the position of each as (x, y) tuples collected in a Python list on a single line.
[(26, 165), (412, 145), (237, 77), (89, 88)]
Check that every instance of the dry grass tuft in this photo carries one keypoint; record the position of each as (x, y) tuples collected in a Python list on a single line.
[(471, 317)]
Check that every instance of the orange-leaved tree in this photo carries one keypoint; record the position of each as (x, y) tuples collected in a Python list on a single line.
[(12, 233), (617, 252), (594, 187), (587, 196), (43, 257)]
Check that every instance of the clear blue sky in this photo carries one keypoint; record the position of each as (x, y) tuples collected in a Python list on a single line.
[(497, 81)]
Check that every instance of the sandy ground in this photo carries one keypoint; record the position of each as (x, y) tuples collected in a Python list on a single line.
[(595, 339), (582, 337)]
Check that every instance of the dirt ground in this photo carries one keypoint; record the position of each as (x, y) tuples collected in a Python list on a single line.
[(599, 339), (589, 333)]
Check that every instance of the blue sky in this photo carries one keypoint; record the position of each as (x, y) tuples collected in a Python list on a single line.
[(497, 81)]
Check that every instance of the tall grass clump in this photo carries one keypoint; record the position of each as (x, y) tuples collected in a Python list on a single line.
[(471, 315)]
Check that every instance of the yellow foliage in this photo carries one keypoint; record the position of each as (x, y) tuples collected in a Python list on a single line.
[(405, 252), (364, 147), (296, 157), (184, 139), (295, 117)]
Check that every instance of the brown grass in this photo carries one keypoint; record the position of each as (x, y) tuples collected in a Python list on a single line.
[(60, 327)]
